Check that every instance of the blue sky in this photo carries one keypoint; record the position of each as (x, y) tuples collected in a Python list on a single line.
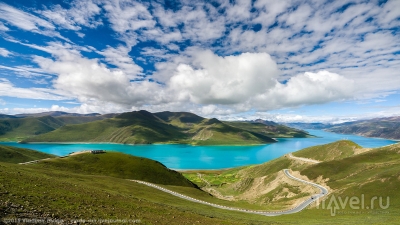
[(285, 61)]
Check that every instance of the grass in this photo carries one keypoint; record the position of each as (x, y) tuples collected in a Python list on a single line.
[(373, 173), (118, 165), (18, 128), (142, 127), (66, 195), (68, 190), (20, 155), (278, 131), (336, 150)]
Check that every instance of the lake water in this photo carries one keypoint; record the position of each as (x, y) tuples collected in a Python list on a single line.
[(210, 157)]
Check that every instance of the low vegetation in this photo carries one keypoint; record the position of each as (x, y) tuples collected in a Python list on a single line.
[(88, 186), (118, 165), (20, 155), (336, 150), (19, 128), (142, 127), (273, 130)]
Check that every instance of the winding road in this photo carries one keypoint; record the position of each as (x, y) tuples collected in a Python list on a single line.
[(298, 208)]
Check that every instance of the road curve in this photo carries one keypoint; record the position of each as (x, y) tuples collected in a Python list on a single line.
[(296, 209), (303, 159)]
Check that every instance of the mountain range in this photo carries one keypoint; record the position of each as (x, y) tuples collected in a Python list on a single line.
[(387, 127), (140, 127)]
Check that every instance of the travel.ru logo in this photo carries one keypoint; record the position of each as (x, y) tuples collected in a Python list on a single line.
[(334, 203)]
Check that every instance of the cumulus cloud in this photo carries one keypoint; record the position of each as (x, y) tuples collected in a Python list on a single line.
[(88, 79), (308, 88), (224, 80), (300, 53), (119, 57)]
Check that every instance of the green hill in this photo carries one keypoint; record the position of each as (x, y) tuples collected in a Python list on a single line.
[(273, 130), (336, 150), (16, 129), (77, 187), (118, 165), (20, 155), (41, 192), (142, 127), (347, 175), (375, 173)]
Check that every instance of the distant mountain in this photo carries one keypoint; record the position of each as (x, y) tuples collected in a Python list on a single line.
[(17, 128), (317, 126), (142, 127), (388, 127), (56, 114), (266, 122), (3, 116), (271, 129)]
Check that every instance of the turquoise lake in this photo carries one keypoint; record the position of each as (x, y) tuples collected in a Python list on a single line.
[(210, 157)]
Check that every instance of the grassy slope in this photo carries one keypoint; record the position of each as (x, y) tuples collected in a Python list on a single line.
[(136, 128), (336, 150), (278, 131), (142, 127), (118, 165), (373, 173), (366, 173), (19, 155), (215, 132), (62, 193), (15, 129), (18, 128)]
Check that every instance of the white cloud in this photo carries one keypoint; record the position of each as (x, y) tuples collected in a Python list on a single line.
[(119, 57), (81, 13), (3, 27), (88, 80), (4, 52), (306, 89), (127, 15), (357, 43), (27, 21), (224, 80), (9, 90)]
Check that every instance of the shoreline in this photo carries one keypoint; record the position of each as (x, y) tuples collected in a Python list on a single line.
[(66, 143)]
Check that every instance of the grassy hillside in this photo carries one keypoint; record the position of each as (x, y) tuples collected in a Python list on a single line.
[(118, 165), (142, 127), (346, 175), (16, 129), (20, 155), (263, 185), (336, 150), (274, 131), (139, 127), (373, 173), (61, 191)]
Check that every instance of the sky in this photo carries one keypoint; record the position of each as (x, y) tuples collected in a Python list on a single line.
[(286, 61)]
